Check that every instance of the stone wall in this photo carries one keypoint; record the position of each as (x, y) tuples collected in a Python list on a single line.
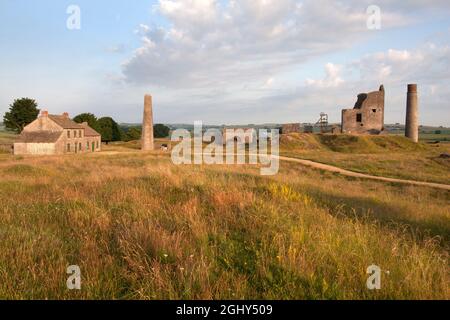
[(21, 148), (290, 128)]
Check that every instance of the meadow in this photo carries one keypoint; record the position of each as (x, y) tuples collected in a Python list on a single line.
[(140, 227)]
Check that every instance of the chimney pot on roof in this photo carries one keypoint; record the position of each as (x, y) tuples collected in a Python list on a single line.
[(65, 114), (44, 113)]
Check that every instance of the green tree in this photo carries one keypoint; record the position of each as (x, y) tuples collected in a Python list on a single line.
[(109, 129), (21, 113), (160, 131), (89, 118), (133, 133)]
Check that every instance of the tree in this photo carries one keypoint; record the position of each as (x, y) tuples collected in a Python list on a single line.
[(160, 131), (109, 129), (21, 113), (133, 133), (89, 118)]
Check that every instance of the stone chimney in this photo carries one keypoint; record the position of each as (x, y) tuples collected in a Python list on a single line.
[(147, 125), (412, 114), (44, 113), (85, 124), (65, 114)]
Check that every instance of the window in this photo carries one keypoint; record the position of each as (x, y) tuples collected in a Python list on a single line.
[(68, 147), (79, 146), (68, 134), (359, 117), (74, 134), (374, 110), (87, 146), (80, 134)]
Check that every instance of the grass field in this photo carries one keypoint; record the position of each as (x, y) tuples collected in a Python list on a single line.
[(141, 228), (6, 137), (390, 156)]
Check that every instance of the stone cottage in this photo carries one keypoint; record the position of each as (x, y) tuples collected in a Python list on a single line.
[(56, 134)]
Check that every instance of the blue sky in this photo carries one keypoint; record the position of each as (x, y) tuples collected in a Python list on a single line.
[(247, 61)]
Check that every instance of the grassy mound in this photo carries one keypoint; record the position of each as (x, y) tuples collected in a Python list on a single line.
[(368, 144), (389, 156), (348, 143)]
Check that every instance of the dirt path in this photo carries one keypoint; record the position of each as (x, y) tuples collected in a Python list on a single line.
[(344, 172)]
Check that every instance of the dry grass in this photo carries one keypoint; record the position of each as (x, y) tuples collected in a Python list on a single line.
[(142, 228), (389, 156)]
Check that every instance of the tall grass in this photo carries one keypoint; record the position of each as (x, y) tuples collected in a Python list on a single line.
[(142, 228)]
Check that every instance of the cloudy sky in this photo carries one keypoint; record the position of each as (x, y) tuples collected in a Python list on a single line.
[(225, 61)]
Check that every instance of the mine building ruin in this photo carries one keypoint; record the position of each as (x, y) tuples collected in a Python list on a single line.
[(412, 114), (367, 117), (290, 128), (249, 135), (147, 140)]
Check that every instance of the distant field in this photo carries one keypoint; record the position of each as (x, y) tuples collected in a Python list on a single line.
[(428, 134), (432, 137), (6, 137), (141, 228)]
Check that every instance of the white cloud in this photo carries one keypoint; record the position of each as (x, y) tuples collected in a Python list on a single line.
[(210, 43), (428, 64), (219, 56), (332, 78)]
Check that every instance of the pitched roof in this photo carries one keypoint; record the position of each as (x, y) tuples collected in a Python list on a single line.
[(65, 122), (88, 131), (39, 136)]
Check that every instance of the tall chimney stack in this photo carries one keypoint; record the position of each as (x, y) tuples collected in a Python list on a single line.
[(147, 125), (412, 114)]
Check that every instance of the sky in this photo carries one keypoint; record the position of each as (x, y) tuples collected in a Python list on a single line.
[(225, 61)]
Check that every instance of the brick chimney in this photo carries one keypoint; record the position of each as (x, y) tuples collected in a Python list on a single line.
[(65, 114), (44, 113)]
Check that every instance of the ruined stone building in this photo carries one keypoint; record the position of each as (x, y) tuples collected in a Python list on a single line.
[(56, 134), (367, 117), (290, 128), (244, 135)]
